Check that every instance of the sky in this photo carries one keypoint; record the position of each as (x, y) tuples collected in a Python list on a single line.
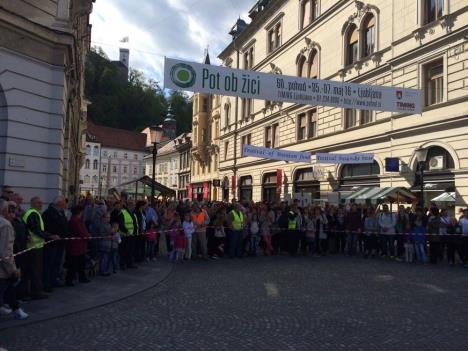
[(156, 28)]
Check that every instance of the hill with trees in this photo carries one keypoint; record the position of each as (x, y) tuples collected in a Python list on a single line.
[(131, 104)]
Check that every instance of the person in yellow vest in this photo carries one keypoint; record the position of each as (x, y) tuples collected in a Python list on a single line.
[(128, 228), (36, 239), (293, 233), (200, 219), (236, 223)]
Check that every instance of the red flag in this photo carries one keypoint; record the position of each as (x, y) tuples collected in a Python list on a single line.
[(279, 180)]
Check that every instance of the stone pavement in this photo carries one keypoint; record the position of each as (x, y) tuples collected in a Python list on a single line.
[(101, 291), (277, 303)]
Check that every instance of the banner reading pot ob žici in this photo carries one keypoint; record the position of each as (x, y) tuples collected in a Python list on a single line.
[(196, 77), (276, 154)]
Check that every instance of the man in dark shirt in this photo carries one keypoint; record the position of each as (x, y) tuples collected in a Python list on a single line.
[(56, 223), (353, 225)]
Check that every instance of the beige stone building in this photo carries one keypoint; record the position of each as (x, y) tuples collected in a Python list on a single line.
[(43, 48), (205, 183), (407, 43)]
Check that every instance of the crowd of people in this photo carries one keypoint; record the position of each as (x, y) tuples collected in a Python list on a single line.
[(44, 250)]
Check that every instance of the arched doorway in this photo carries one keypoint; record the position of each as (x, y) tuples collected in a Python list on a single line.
[(438, 174), (359, 175), (269, 187), (245, 188)]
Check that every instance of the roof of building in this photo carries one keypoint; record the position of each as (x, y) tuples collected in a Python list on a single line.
[(117, 138), (171, 146)]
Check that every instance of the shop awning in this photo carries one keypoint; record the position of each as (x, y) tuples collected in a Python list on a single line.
[(445, 197), (380, 194)]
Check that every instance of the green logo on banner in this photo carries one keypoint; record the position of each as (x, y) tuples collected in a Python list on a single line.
[(183, 75)]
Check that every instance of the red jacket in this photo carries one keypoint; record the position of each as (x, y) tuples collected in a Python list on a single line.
[(77, 230)]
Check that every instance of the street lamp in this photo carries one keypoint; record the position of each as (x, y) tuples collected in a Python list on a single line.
[(155, 136), (421, 155)]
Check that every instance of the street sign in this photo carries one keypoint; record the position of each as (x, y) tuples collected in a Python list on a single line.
[(196, 77), (392, 164)]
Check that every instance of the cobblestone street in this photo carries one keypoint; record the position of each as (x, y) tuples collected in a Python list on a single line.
[(279, 303)]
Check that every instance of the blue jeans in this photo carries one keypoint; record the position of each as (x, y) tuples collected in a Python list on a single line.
[(235, 243), (420, 252), (351, 238), (388, 244), (107, 258)]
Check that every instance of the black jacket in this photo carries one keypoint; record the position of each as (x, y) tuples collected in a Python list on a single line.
[(55, 222)]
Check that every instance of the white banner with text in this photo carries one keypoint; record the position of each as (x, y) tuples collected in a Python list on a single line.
[(275, 154), (344, 158), (196, 77)]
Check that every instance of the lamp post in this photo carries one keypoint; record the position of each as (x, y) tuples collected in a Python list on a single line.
[(155, 135), (421, 155)]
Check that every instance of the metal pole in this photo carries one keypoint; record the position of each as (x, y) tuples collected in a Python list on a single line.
[(422, 164), (154, 173), (235, 128)]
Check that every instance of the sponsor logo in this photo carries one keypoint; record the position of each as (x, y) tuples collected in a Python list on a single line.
[(183, 75), (399, 94), (406, 106)]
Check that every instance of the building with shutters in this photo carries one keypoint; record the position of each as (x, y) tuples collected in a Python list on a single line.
[(421, 44)]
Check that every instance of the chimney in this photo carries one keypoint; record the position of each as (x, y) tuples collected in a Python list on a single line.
[(124, 56)]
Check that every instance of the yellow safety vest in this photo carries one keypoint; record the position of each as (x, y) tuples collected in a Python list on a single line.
[(292, 222), (128, 222), (238, 220), (36, 241)]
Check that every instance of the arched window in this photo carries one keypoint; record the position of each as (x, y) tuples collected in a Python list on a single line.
[(312, 64), (302, 67), (95, 164), (368, 36), (87, 164), (227, 114), (361, 174), (96, 151), (88, 150), (352, 45), (438, 159)]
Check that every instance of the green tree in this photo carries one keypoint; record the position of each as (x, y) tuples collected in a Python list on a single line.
[(133, 103)]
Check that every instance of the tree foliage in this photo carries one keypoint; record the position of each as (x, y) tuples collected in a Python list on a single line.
[(132, 104)]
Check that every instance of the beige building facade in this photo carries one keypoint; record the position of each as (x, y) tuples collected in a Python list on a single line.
[(408, 44), (43, 110), (205, 183)]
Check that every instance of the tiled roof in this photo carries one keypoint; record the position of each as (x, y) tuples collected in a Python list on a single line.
[(117, 138)]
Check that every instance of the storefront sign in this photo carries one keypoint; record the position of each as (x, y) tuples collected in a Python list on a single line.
[(279, 181), (344, 158), (276, 154), (205, 190), (196, 77)]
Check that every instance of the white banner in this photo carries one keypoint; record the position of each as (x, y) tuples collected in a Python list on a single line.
[(196, 77), (275, 154), (344, 158)]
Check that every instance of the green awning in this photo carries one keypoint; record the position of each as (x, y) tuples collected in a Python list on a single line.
[(379, 194), (445, 197)]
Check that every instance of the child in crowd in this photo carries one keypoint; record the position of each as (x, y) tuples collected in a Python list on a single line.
[(180, 245), (265, 231), (189, 228), (219, 235), (408, 245), (419, 239), (310, 234), (151, 240)]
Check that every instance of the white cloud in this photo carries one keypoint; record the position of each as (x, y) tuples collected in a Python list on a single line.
[(173, 28)]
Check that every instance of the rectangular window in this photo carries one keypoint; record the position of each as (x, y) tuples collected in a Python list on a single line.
[(365, 117), (246, 107), (301, 126), (125, 169), (268, 137), (114, 169), (104, 168), (115, 154), (104, 153), (434, 82), (246, 60), (274, 37), (135, 170), (226, 147), (350, 118), (135, 156), (312, 124), (275, 135), (271, 40), (432, 10), (205, 105), (245, 140)]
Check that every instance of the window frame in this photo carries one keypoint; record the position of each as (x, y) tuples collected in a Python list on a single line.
[(428, 81)]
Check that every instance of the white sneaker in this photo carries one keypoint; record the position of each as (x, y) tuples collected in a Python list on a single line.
[(20, 314), (5, 310)]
